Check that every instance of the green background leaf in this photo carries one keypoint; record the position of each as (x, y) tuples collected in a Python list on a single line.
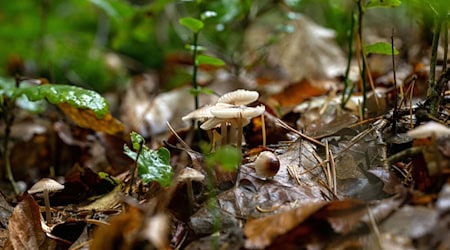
[(227, 157), (191, 23), (209, 60), (380, 48), (74, 96), (383, 3)]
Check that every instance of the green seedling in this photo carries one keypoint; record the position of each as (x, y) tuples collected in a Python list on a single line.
[(366, 49), (152, 165), (195, 26)]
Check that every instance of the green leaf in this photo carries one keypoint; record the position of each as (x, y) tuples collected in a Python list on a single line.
[(380, 48), (228, 157), (383, 3), (152, 165), (201, 90), (209, 60), (72, 95), (137, 140), (191, 23)]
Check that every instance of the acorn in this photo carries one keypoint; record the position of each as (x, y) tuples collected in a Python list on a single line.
[(267, 164)]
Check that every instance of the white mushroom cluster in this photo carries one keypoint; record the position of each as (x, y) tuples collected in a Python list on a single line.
[(230, 113)]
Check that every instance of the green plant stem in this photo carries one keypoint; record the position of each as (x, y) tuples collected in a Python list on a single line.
[(8, 118), (395, 112), (195, 69), (444, 65), (345, 96), (135, 165), (364, 65), (432, 93)]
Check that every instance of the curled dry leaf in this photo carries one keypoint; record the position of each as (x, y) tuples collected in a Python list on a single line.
[(25, 227)]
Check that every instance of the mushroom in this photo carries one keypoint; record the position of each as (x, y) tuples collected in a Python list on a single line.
[(429, 129), (239, 97), (230, 110), (187, 175), (267, 164), (237, 117), (46, 185)]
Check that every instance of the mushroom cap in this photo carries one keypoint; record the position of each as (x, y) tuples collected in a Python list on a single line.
[(239, 97), (45, 184), (216, 122), (201, 113), (237, 112), (190, 174), (267, 164), (428, 129)]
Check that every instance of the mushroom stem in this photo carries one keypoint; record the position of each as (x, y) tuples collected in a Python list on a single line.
[(239, 134), (223, 132), (263, 129), (47, 207), (190, 194)]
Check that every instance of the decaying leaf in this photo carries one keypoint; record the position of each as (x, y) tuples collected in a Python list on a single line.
[(88, 119), (25, 230), (309, 52), (106, 202), (121, 233), (261, 232), (298, 92)]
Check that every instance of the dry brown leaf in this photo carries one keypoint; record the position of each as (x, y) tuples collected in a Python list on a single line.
[(297, 93), (308, 52), (25, 230), (121, 233), (87, 119), (261, 232)]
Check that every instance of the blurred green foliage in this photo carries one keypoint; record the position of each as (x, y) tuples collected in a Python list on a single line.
[(80, 41)]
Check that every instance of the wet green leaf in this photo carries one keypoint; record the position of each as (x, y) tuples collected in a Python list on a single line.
[(209, 60), (383, 3), (380, 48), (152, 165), (72, 95), (191, 23)]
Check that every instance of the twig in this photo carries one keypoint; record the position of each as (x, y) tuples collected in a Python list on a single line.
[(394, 116), (284, 125)]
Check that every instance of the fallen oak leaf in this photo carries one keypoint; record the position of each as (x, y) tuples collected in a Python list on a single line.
[(262, 232)]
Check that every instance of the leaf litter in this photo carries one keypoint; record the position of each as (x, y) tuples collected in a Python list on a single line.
[(343, 182)]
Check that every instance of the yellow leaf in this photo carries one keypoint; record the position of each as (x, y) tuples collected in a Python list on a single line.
[(86, 118)]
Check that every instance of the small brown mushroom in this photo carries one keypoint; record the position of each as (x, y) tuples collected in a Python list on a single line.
[(46, 185), (187, 175), (267, 164)]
